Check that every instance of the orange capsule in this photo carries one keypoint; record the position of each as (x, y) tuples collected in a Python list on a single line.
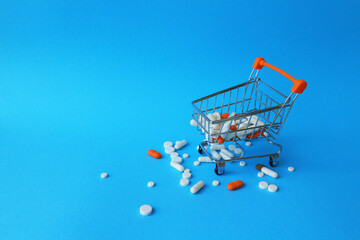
[(154, 153), (225, 115), (233, 127), (235, 185), (220, 140)]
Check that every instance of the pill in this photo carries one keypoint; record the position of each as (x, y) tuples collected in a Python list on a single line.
[(211, 117), (169, 150), (220, 139), (185, 155), (168, 144), (180, 144), (225, 156), (266, 170), (235, 185), (248, 144), (196, 163), (263, 185), (291, 169), (104, 175), (204, 159), (233, 128), (177, 159), (225, 115), (194, 189), (177, 142), (186, 175), (238, 151), (242, 163), (145, 210), (177, 166), (193, 122), (260, 174), (174, 154), (184, 182), (216, 183), (272, 188), (187, 170), (216, 146), (217, 115), (154, 153), (215, 154), (151, 184), (231, 147), (227, 152)]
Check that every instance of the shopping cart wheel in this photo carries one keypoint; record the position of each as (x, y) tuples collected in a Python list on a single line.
[(274, 161), (220, 168), (200, 149)]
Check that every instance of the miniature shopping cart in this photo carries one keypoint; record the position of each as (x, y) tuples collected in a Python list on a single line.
[(257, 111)]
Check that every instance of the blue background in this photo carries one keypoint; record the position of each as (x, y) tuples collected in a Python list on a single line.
[(88, 87)]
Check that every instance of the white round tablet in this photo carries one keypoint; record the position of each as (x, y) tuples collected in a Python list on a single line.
[(151, 184), (145, 210), (272, 188), (177, 159), (104, 175), (185, 155), (216, 183), (184, 182), (168, 144), (263, 185), (186, 175), (196, 163), (169, 150), (248, 144), (187, 170), (242, 163), (260, 174), (193, 123), (231, 147), (291, 169)]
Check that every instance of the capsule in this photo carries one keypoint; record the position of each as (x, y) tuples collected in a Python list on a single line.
[(235, 185), (154, 153), (180, 144), (177, 166), (194, 189), (215, 154), (227, 152), (204, 159)]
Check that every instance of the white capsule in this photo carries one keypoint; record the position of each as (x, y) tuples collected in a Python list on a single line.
[(104, 175), (263, 185), (291, 169), (272, 188), (215, 154), (260, 174), (193, 122), (216, 146), (227, 152), (185, 155), (194, 189), (215, 183), (225, 156), (216, 127), (242, 163), (177, 166), (169, 150), (231, 147), (217, 115), (151, 184), (145, 210), (168, 144), (180, 144), (177, 159), (196, 163), (269, 172), (204, 159), (186, 175), (248, 143), (184, 182), (174, 154), (211, 117), (187, 170)]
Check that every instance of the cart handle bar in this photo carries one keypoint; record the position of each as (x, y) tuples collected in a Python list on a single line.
[(299, 84)]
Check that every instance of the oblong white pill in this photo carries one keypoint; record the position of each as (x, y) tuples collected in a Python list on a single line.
[(231, 147), (227, 152), (291, 169), (260, 174), (215, 183), (177, 159), (216, 146), (169, 150), (194, 189), (151, 184), (145, 210), (185, 155), (186, 175), (187, 170), (184, 182), (215, 154), (242, 163), (217, 115), (263, 185), (204, 159), (180, 144), (193, 122), (238, 151), (177, 166), (248, 143), (269, 172), (272, 188), (104, 175), (225, 156), (174, 154), (196, 163), (168, 144), (211, 117)]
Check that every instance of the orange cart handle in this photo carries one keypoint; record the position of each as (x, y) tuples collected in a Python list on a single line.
[(299, 84)]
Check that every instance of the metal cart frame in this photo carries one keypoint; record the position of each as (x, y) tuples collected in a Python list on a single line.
[(259, 111)]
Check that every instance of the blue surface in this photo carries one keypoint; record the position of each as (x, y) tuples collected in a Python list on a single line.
[(89, 87)]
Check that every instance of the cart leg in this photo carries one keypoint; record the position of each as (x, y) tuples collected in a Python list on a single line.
[(274, 160), (220, 168), (200, 149)]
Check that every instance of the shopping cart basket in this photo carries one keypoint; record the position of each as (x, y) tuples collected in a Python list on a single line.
[(257, 111)]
